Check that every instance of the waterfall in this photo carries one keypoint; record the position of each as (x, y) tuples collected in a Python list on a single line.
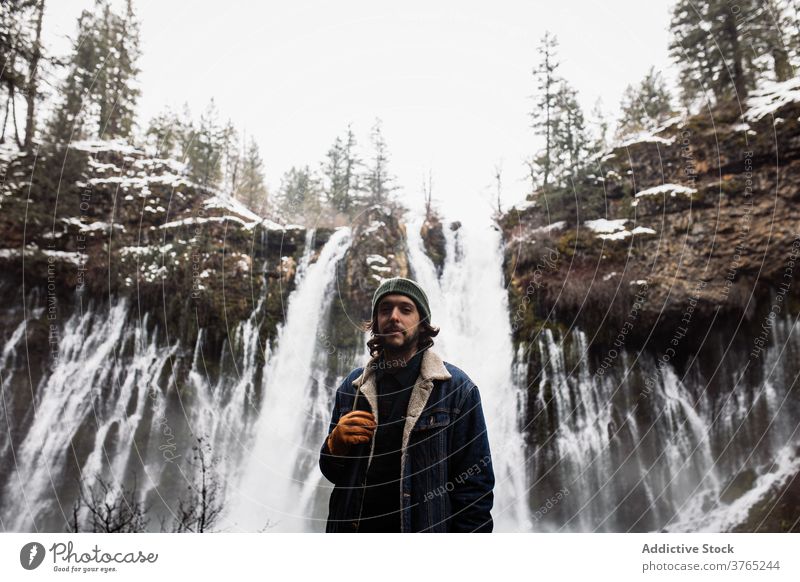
[(86, 409), (8, 366), (470, 306), (269, 494), (665, 461)]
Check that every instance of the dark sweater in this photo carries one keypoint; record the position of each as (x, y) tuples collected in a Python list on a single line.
[(381, 509)]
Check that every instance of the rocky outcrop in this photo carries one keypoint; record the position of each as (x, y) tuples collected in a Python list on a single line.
[(432, 233), (378, 251), (101, 221), (702, 212)]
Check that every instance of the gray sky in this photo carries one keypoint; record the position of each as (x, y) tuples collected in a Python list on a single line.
[(451, 81)]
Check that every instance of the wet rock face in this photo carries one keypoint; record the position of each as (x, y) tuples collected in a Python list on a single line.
[(378, 251), (432, 233), (702, 212)]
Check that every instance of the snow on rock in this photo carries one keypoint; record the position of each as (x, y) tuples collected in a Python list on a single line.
[(549, 228), (646, 137), (376, 259), (8, 151), (243, 263), (235, 206), (374, 226), (670, 122), (603, 225), (623, 234), (615, 229), (525, 204), (72, 257), (142, 182), (671, 189), (150, 163), (202, 220), (100, 167), (377, 263), (771, 97), (100, 145), (146, 250), (93, 226), (619, 235)]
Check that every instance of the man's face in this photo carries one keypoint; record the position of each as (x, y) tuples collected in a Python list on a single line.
[(398, 322)]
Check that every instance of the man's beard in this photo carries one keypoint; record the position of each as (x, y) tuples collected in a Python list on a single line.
[(410, 337)]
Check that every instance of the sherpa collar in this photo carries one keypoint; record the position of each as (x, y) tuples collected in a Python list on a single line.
[(431, 368)]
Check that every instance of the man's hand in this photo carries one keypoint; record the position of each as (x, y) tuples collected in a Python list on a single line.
[(353, 428)]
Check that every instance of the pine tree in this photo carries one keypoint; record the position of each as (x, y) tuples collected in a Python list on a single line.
[(69, 118), (352, 167), (773, 37), (163, 135), (299, 193), (645, 106), (342, 169), (21, 54), (32, 92), (599, 121), (206, 148), (543, 113), (718, 44), (789, 23), (570, 140), (99, 94), (337, 191), (252, 190), (231, 159), (378, 183), (121, 69)]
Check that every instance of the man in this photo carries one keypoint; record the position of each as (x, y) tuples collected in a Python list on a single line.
[(407, 448)]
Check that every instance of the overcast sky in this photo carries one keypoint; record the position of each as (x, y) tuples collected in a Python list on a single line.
[(451, 81)]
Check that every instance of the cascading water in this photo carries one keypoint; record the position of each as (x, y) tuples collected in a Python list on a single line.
[(660, 462), (270, 493), (85, 408), (224, 411), (469, 303)]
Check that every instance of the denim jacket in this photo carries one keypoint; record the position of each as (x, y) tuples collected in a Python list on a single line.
[(446, 480)]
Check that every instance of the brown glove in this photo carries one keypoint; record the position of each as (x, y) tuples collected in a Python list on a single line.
[(353, 428)]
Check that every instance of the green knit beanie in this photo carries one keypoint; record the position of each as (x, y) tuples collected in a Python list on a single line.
[(405, 287)]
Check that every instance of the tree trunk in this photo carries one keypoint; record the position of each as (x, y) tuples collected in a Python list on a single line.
[(33, 68), (731, 31)]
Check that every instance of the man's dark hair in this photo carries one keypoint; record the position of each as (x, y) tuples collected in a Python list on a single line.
[(375, 344)]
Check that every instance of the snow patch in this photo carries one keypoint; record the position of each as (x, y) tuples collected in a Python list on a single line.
[(374, 226), (525, 204), (72, 257), (100, 145), (771, 97), (671, 189), (376, 259), (605, 225), (550, 227), (646, 137), (233, 205)]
